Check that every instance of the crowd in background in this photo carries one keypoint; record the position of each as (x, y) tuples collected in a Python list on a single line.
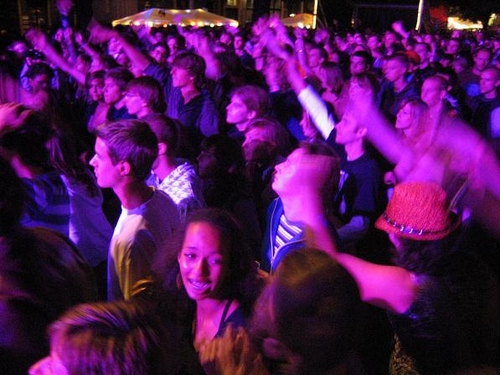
[(253, 200)]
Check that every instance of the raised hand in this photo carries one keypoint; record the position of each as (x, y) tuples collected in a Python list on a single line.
[(99, 33), (12, 116), (64, 6), (37, 39)]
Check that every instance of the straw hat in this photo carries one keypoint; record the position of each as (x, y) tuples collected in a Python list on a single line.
[(419, 211)]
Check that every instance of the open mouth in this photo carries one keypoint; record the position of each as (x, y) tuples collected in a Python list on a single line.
[(198, 285)]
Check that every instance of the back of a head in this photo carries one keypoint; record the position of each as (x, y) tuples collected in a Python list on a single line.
[(314, 301), (166, 130), (132, 141), (273, 132), (39, 69), (113, 338)]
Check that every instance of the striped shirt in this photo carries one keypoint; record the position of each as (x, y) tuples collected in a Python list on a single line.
[(286, 231)]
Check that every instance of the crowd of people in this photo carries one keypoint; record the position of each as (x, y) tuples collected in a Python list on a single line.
[(255, 200)]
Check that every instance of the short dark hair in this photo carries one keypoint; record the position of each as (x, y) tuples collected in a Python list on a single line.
[(132, 141), (121, 76), (401, 58), (365, 56), (322, 53), (166, 130), (98, 74), (314, 304)]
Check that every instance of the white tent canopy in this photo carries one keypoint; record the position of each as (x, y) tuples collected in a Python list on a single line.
[(299, 20), (460, 24), (157, 17)]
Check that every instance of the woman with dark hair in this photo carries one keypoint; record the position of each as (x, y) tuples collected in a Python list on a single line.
[(212, 279)]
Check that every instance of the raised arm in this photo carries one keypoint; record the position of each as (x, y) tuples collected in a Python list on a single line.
[(379, 131), (87, 48), (310, 100), (101, 34), (389, 287), (40, 42)]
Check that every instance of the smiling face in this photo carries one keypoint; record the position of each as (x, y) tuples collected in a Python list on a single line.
[(203, 261), (159, 54)]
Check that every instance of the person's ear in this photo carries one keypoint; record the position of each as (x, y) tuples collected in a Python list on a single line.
[(162, 148), (252, 114), (361, 133), (125, 168)]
